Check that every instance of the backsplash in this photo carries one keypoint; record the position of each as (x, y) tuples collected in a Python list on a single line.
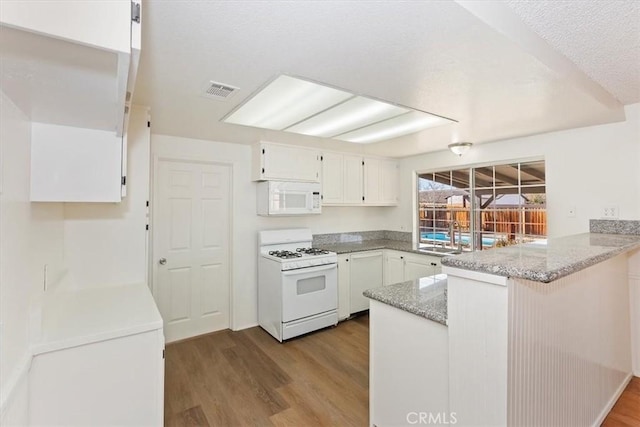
[(359, 236), (614, 226)]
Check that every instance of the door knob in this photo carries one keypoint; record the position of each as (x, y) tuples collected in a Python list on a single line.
[(162, 261)]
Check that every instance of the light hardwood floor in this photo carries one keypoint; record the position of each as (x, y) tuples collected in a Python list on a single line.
[(626, 412), (247, 378)]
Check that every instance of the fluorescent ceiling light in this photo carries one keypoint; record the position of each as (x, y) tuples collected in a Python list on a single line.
[(299, 106), (412, 122), (353, 114), (286, 101)]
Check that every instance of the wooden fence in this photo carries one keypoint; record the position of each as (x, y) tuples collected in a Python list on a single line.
[(505, 220)]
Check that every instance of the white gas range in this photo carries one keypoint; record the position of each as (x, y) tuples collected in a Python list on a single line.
[(297, 284)]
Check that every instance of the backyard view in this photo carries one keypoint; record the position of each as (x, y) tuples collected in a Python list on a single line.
[(483, 207)]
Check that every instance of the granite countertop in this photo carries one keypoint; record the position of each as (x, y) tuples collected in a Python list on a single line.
[(560, 257), (372, 245), (424, 297)]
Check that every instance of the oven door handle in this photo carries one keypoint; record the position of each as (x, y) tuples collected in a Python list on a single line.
[(306, 270)]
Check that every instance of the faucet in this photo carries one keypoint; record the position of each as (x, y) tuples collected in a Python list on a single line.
[(452, 225)]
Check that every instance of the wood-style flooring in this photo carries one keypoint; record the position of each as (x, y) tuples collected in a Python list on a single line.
[(626, 411), (247, 378)]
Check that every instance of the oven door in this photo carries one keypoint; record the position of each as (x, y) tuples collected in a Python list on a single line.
[(309, 291)]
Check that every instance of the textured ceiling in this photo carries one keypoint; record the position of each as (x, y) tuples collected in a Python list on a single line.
[(434, 56), (601, 37)]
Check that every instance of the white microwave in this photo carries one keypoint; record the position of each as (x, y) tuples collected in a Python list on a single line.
[(288, 198)]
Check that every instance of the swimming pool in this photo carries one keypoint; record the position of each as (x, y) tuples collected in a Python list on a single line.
[(444, 237)]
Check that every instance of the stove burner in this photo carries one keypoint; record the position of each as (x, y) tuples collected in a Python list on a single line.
[(285, 254), (312, 251)]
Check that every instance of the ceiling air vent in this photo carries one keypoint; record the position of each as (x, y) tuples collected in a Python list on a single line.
[(219, 91)]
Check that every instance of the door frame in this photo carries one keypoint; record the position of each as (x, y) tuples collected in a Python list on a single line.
[(153, 267)]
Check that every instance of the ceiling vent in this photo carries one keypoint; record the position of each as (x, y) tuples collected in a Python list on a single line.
[(219, 91)]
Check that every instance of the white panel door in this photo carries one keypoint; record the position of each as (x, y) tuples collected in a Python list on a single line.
[(191, 247)]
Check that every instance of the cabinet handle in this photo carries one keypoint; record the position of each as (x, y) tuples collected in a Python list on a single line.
[(401, 257), (434, 264), (162, 261)]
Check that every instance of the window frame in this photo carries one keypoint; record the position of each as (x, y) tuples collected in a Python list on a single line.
[(471, 167)]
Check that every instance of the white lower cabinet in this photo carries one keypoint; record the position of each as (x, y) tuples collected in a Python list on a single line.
[(365, 273), (98, 359), (408, 377), (344, 309), (402, 266), (357, 272), (360, 271), (114, 382)]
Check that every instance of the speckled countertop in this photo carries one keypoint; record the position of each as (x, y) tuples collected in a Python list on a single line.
[(560, 257), (371, 245), (424, 297)]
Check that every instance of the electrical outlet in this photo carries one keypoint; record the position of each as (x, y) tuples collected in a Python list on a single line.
[(610, 212)]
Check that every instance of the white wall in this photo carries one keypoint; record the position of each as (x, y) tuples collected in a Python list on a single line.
[(31, 235), (246, 223), (105, 243), (588, 168)]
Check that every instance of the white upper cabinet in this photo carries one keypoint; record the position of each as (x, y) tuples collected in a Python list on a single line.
[(341, 179), (71, 63), (352, 180), (71, 66), (70, 164), (285, 163), (101, 24), (380, 182)]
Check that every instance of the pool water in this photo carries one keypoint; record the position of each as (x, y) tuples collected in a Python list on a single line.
[(443, 237)]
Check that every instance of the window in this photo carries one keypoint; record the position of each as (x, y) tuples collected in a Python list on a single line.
[(482, 207)]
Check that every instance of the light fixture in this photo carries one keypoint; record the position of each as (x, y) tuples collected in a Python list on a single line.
[(460, 148), (300, 106)]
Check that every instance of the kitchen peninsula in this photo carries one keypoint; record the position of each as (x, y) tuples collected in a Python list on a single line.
[(534, 335)]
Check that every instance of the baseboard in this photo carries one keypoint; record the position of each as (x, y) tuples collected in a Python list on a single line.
[(612, 401), (250, 325), (18, 378)]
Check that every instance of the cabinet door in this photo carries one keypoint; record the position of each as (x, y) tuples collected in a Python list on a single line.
[(416, 266), (393, 267), (332, 178), (365, 273), (289, 163), (102, 24), (343, 286), (75, 165), (352, 180), (371, 181), (388, 182)]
